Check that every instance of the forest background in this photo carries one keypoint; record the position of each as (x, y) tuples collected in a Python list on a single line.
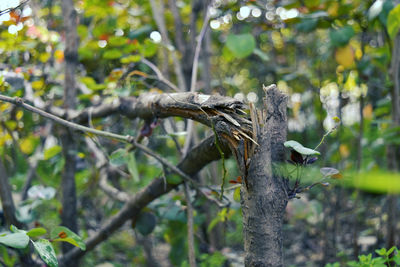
[(87, 61)]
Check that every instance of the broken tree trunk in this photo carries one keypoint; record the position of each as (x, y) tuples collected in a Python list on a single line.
[(264, 195)]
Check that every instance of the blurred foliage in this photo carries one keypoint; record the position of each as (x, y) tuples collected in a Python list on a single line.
[(331, 57)]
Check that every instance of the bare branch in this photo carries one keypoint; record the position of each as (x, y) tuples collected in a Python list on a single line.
[(195, 160), (124, 138)]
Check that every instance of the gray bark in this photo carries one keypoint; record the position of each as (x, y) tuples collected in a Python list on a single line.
[(393, 151), (264, 197), (68, 187), (6, 198)]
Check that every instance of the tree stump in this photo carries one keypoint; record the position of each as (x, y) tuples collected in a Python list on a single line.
[(264, 196)]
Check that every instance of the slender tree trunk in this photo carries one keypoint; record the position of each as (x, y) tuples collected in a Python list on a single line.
[(6, 198), (69, 202), (393, 150), (264, 198)]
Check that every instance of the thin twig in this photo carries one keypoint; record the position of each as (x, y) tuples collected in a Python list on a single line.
[(192, 254), (159, 74), (158, 14), (10, 9), (103, 165), (190, 126), (197, 50)]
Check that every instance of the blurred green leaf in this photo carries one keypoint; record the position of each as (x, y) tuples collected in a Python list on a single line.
[(35, 232), (119, 157), (341, 36), (393, 22), (15, 240), (146, 223), (132, 167), (51, 152), (112, 54), (241, 45)]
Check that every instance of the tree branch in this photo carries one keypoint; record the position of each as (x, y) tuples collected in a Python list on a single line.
[(195, 160)]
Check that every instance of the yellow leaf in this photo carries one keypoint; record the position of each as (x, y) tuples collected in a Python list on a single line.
[(344, 151), (4, 106), (37, 85), (19, 114), (345, 56), (336, 119), (333, 9), (59, 56), (368, 112), (27, 145)]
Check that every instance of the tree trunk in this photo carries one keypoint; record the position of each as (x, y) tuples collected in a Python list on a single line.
[(68, 187), (393, 150), (264, 198)]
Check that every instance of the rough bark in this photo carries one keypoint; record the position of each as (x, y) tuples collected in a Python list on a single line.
[(393, 153), (68, 187), (264, 197)]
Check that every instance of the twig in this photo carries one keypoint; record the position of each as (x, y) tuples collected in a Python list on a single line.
[(20, 102), (197, 50), (159, 74), (190, 126), (158, 14), (10, 9), (102, 164), (192, 254)]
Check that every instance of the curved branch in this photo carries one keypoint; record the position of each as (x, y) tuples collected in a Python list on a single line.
[(195, 160)]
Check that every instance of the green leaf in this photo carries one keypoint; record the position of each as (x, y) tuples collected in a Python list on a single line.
[(46, 251), (393, 22), (300, 148), (132, 167), (119, 157), (146, 223), (117, 40), (51, 152), (148, 49), (375, 9), (15, 240), (130, 59), (35, 232), (63, 234), (112, 54), (342, 36), (236, 194), (14, 229), (68, 240), (327, 171), (381, 252), (174, 179), (264, 56), (241, 45)]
